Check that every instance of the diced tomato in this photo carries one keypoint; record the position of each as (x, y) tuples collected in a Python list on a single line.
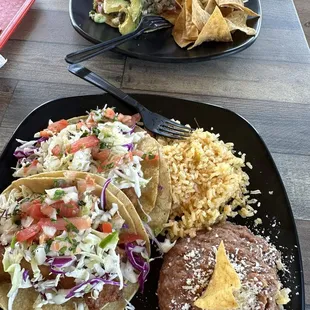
[(106, 227), (28, 233), (88, 184), (70, 209), (55, 246), (58, 126), (90, 122), (61, 224), (128, 237), (43, 238), (126, 119), (56, 150), (32, 209), (130, 156), (86, 142), (32, 165), (101, 156), (137, 153), (47, 210), (109, 113), (150, 157), (79, 125), (45, 134), (129, 120), (135, 118)]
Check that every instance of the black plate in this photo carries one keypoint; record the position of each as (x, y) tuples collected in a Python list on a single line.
[(233, 128), (160, 46)]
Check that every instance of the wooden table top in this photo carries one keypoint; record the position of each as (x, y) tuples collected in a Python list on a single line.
[(268, 84)]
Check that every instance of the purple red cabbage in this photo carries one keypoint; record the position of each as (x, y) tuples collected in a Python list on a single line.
[(138, 263), (25, 275), (92, 282), (42, 139), (103, 194), (129, 146), (59, 262), (132, 129)]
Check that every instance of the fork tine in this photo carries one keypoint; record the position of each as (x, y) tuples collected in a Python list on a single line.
[(173, 133), (156, 18), (175, 124), (168, 135), (159, 23), (175, 128)]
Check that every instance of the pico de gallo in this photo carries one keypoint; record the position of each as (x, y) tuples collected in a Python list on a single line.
[(65, 243), (104, 143)]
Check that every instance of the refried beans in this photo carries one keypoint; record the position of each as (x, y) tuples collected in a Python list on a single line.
[(189, 265)]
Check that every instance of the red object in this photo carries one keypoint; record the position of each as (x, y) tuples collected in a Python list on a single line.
[(58, 126), (61, 224), (128, 237), (71, 209), (28, 233), (106, 227), (86, 142), (11, 14), (33, 209), (56, 150)]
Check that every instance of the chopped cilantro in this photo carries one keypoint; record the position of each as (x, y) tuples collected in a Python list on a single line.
[(62, 250), (53, 220), (96, 131), (85, 133), (111, 238), (81, 203), (13, 242), (109, 166), (151, 156), (48, 245), (70, 226), (16, 210), (59, 183), (74, 245), (105, 145), (58, 194)]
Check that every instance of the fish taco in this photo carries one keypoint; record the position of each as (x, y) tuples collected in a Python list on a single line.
[(107, 144), (103, 142), (69, 243)]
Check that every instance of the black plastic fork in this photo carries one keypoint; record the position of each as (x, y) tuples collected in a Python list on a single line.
[(148, 23), (154, 122)]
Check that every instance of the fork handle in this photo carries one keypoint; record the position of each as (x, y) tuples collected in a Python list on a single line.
[(98, 81), (100, 48)]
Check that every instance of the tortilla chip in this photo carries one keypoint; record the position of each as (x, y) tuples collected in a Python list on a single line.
[(226, 11), (236, 20), (191, 31), (171, 15), (225, 2), (199, 15), (216, 29), (179, 29), (210, 7), (224, 280), (236, 4)]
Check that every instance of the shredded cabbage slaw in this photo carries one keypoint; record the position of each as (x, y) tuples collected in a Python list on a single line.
[(105, 144), (74, 250)]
